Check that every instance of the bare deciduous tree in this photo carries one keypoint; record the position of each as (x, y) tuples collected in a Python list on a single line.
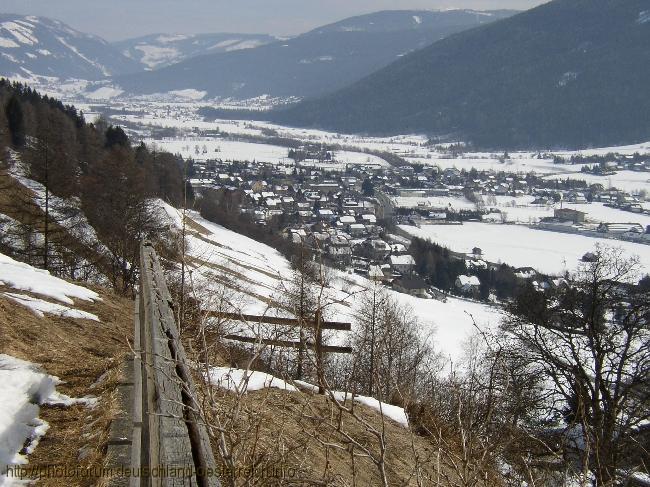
[(591, 339)]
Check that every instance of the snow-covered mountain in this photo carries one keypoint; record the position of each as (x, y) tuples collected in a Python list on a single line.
[(37, 46), (158, 50), (311, 64)]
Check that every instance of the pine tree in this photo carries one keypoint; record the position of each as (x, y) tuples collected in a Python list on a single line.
[(5, 134), (367, 187), (16, 121)]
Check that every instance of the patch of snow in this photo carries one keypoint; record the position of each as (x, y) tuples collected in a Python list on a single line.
[(189, 94), (104, 93), (153, 56), (417, 19), (24, 277), (22, 34), (226, 43), (40, 307), (166, 39), (644, 17), (7, 43), (11, 58), (44, 52), (23, 388), (469, 281), (321, 59), (241, 381), (250, 44), (395, 413), (567, 78)]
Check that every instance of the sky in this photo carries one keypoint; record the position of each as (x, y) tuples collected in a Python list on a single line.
[(121, 19)]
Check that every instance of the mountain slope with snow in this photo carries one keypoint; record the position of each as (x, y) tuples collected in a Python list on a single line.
[(159, 50), (37, 46), (313, 63)]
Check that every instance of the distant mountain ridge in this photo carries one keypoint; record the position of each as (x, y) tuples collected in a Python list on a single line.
[(159, 50), (569, 73), (314, 63), (37, 46)]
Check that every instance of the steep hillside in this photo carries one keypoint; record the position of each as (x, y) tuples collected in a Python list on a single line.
[(37, 46), (568, 73), (159, 50), (258, 278), (314, 63)]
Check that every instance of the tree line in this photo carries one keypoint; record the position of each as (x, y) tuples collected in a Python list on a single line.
[(93, 199), (440, 267)]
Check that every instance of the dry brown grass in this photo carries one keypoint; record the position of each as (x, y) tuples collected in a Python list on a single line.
[(287, 429), (87, 356)]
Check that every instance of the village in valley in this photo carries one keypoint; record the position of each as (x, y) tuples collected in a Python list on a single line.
[(360, 213)]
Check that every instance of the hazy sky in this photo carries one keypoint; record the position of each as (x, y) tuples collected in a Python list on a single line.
[(119, 19)]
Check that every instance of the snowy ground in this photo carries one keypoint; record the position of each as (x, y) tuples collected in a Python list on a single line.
[(23, 388), (206, 148), (24, 277), (180, 110), (519, 162), (521, 246)]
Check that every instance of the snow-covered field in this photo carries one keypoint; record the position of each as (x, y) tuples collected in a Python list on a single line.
[(630, 181), (521, 246), (181, 112), (519, 162), (206, 148), (521, 210), (260, 274), (203, 148)]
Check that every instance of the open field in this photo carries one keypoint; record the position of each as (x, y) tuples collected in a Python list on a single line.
[(521, 246)]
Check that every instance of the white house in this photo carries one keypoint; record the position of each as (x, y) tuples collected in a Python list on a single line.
[(403, 264), (468, 284)]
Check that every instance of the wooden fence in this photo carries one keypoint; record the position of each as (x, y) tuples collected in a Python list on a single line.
[(162, 439)]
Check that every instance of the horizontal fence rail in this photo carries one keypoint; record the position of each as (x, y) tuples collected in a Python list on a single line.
[(272, 320)]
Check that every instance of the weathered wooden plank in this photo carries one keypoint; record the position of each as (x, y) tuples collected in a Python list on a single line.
[(272, 320), (119, 445), (177, 438), (137, 399), (288, 344)]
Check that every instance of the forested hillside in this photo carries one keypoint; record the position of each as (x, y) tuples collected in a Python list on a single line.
[(76, 197), (570, 73)]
